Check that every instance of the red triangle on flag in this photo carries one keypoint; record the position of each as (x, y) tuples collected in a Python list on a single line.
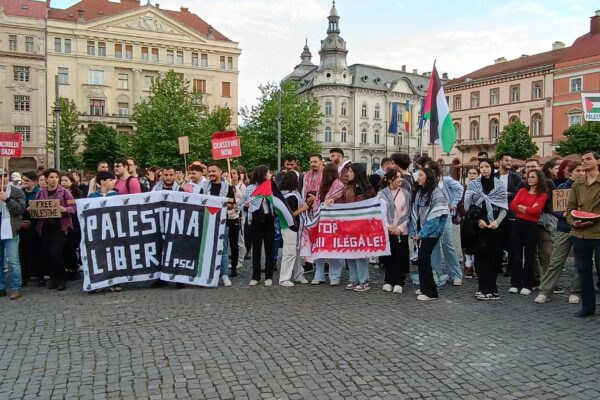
[(265, 189), (213, 210)]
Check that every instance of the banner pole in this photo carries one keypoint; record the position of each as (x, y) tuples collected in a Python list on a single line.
[(3, 172), (185, 163), (229, 168)]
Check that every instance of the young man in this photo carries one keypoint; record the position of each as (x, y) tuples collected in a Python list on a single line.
[(12, 208), (402, 162), (126, 184), (336, 156), (179, 176), (585, 196), (29, 240), (384, 166), (168, 180), (290, 164), (196, 179), (132, 167), (106, 181), (312, 179), (92, 187)]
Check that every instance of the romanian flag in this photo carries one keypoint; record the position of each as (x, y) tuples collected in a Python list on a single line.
[(438, 114), (269, 190), (407, 117)]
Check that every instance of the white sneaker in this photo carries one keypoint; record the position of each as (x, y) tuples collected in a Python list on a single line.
[(315, 282), (513, 290), (573, 299), (334, 283), (226, 281), (541, 299), (387, 287), (268, 282), (457, 282), (285, 283), (253, 283), (525, 292), (398, 289), (418, 292), (302, 280), (423, 297)]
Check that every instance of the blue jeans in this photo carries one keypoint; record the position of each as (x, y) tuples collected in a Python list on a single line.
[(225, 258), (9, 252), (445, 245), (358, 270), (335, 269), (584, 250)]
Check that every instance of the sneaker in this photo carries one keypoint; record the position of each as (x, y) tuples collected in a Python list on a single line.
[(315, 282), (387, 287), (525, 292), (485, 297), (468, 272), (477, 294), (573, 299), (362, 287), (226, 281), (558, 290), (350, 286), (423, 297), (373, 260), (513, 290), (286, 283), (253, 282), (418, 292), (334, 283), (398, 289), (15, 295), (541, 299), (268, 282), (302, 280), (457, 282)]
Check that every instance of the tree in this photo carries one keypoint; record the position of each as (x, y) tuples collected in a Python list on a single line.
[(102, 143), (70, 158), (300, 118), (580, 138), (515, 139)]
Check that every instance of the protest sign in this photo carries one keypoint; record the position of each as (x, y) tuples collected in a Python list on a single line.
[(44, 208), (347, 231), (172, 236), (560, 197), (11, 145), (225, 145)]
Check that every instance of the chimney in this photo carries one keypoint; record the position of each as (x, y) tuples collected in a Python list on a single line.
[(415, 71), (595, 23), (500, 60), (81, 13), (210, 32), (184, 9), (445, 75), (404, 68), (558, 45), (157, 5)]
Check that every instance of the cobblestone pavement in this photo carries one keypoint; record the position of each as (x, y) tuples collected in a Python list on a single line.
[(309, 342)]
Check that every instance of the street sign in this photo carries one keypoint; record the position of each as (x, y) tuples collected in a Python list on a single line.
[(184, 144), (11, 145), (225, 144)]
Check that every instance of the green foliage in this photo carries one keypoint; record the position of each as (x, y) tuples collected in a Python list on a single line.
[(102, 143), (515, 139), (70, 158), (300, 118), (580, 138)]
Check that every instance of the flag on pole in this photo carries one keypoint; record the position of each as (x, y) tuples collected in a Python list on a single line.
[(438, 114), (269, 191), (422, 115), (407, 117), (393, 128)]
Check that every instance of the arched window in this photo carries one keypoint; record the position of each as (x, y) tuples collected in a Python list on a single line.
[(513, 119), (344, 135), (363, 112), (494, 128), (328, 135), (536, 125), (457, 129), (376, 163), (328, 108), (343, 111), (363, 135), (474, 130), (376, 137), (377, 109)]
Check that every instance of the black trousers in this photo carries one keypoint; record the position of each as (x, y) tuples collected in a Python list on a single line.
[(397, 265), (29, 255), (488, 253), (506, 229), (234, 247), (426, 282), (524, 237), (247, 237), (262, 233), (53, 244)]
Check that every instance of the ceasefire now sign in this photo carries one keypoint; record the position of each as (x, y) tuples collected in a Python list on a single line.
[(225, 144)]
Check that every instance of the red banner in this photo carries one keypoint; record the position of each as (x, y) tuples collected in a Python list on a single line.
[(11, 145), (225, 145), (339, 236)]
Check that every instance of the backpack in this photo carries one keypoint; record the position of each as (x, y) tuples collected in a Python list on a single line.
[(142, 186)]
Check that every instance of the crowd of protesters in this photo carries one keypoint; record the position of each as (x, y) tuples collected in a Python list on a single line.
[(502, 217)]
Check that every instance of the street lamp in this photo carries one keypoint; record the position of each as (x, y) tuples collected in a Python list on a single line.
[(56, 110)]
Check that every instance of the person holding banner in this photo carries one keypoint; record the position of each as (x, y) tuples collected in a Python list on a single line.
[(53, 231), (194, 185)]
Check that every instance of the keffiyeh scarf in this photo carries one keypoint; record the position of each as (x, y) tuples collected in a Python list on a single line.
[(496, 197), (422, 213), (6, 228)]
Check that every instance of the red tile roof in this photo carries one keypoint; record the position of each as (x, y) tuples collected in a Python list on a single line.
[(25, 8), (97, 9), (585, 46)]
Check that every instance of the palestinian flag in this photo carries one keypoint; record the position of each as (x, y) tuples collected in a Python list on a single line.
[(592, 104), (269, 190), (438, 114)]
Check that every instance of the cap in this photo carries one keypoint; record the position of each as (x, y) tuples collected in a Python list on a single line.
[(16, 176)]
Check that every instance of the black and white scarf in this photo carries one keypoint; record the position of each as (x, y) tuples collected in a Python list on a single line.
[(496, 197)]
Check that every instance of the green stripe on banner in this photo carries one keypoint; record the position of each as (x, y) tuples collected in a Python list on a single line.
[(203, 243), (336, 215)]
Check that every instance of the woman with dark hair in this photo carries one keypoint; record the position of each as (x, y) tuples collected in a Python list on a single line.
[(562, 176), (236, 236), (358, 188), (428, 218), (527, 206), (468, 229), (330, 191), (261, 218), (486, 202), (71, 253), (550, 170)]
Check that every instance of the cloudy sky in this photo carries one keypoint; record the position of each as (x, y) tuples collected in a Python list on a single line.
[(463, 36)]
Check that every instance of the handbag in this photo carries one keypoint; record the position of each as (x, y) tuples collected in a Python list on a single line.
[(474, 212), (548, 222)]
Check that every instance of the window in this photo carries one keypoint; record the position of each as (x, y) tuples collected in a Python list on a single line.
[(118, 50), (24, 130), (123, 109), (204, 60), (576, 84), (200, 85), (343, 109), (21, 74), (475, 100), (328, 109), (91, 48), (363, 111), (101, 49), (456, 102), (376, 137), (363, 135), (328, 135), (96, 107), (344, 135), (154, 54), (12, 42), (229, 62), (536, 90), (377, 111), (170, 57), (494, 128), (195, 59), (513, 119), (57, 45), (29, 44), (494, 97), (222, 62), (474, 134), (574, 119), (63, 76), (22, 103), (145, 54), (515, 93), (129, 52), (123, 81), (179, 57), (225, 89), (536, 125), (96, 77), (68, 46), (457, 129), (148, 82)]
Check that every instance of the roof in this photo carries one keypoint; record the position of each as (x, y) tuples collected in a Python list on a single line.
[(585, 46), (24, 8), (98, 9)]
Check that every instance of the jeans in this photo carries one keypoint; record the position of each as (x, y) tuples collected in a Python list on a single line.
[(584, 250), (445, 245), (291, 268), (358, 269), (9, 252), (225, 259), (335, 269)]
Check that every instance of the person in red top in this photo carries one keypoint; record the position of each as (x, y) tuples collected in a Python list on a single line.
[(527, 206)]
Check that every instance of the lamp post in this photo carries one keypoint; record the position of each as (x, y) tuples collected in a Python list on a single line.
[(279, 129), (56, 110)]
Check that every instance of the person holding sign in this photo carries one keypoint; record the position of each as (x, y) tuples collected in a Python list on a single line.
[(12, 208)]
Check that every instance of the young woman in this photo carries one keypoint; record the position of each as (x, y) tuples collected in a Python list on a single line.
[(550, 170), (467, 232), (54, 230), (262, 226), (527, 206), (233, 222), (330, 191), (239, 188), (71, 256), (428, 218), (398, 200), (486, 201), (358, 188)]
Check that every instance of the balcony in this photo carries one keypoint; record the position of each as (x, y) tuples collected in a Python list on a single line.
[(481, 143)]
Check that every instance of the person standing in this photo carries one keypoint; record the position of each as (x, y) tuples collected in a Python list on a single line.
[(126, 184), (196, 179), (71, 255), (336, 156), (239, 189), (468, 231), (290, 164), (93, 186), (132, 168), (16, 180), (29, 241), (585, 196)]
